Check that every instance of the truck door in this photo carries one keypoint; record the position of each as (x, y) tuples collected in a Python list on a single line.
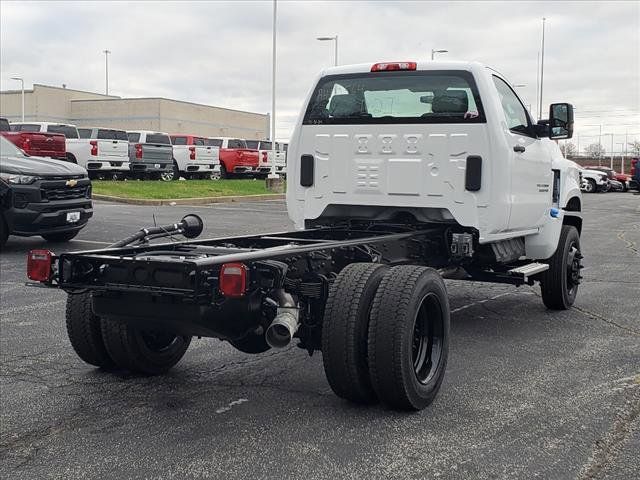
[(530, 162)]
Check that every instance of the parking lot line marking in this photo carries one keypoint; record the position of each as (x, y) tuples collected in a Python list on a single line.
[(92, 241), (29, 308), (230, 405), (479, 302)]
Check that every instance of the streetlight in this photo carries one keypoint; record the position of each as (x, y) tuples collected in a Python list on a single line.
[(272, 172), (106, 71), (434, 51), (335, 54), (21, 80)]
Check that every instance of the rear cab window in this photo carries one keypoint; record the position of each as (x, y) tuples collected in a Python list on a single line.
[(4, 125), (25, 127), (265, 146), (198, 141), (109, 134), (237, 143), (133, 137), (431, 96), (159, 138), (179, 140), (69, 131), (253, 144), (84, 132), (213, 142)]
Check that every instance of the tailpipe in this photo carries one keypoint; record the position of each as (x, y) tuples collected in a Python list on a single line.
[(281, 331)]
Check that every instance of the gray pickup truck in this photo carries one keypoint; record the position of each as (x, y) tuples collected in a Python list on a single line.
[(151, 155)]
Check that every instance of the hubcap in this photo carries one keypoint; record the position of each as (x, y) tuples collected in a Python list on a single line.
[(574, 266), (167, 176), (428, 332)]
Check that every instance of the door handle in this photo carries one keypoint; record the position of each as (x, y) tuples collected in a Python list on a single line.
[(519, 148)]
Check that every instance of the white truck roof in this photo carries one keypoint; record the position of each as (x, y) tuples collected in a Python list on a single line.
[(420, 65)]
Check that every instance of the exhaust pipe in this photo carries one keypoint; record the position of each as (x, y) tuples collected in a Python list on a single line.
[(281, 331)]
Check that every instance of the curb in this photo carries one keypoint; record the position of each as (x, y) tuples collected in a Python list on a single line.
[(188, 201)]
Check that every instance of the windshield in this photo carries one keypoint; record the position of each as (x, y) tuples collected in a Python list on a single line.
[(395, 97), (8, 149)]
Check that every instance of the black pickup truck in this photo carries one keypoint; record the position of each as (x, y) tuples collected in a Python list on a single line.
[(41, 196)]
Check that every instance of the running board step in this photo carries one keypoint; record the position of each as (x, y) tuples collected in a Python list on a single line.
[(528, 270)]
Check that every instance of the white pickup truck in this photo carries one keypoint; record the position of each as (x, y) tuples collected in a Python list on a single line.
[(194, 158), (594, 180), (401, 174), (265, 157), (104, 152)]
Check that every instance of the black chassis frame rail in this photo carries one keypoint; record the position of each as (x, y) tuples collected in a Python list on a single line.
[(178, 268)]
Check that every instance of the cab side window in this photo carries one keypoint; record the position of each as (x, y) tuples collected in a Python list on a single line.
[(514, 111)]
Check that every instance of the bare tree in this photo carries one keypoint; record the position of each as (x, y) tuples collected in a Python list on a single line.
[(635, 147), (568, 149), (595, 150)]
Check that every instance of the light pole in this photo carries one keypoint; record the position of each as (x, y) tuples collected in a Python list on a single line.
[(621, 155), (434, 51), (541, 70), (272, 172), (106, 71), (335, 52), (21, 80)]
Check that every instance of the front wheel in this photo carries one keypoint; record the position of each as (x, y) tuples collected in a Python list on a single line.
[(559, 284), (590, 186), (409, 337), (149, 352), (60, 237)]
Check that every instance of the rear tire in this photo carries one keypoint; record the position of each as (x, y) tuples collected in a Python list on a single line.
[(223, 172), (4, 232), (559, 284), (145, 352), (60, 237), (409, 337), (345, 331), (71, 158), (85, 332)]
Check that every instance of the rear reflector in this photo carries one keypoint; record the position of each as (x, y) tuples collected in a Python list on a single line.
[(393, 66), (39, 265), (233, 279)]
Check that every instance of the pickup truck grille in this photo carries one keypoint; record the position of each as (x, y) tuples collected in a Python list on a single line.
[(64, 193)]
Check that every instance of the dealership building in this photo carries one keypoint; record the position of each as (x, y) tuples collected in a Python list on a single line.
[(45, 103)]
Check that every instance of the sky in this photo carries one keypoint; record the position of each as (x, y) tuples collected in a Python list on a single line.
[(219, 53)]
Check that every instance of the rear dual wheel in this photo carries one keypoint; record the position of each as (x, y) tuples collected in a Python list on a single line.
[(108, 343), (386, 335)]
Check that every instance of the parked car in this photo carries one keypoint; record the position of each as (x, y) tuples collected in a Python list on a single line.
[(193, 158), (41, 196), (150, 155), (594, 181), (86, 152), (265, 157), (623, 178), (35, 143), (235, 157), (108, 152)]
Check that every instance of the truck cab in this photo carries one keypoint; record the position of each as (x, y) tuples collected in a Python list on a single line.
[(441, 142)]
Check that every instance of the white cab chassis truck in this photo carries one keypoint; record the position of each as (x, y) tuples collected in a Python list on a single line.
[(401, 174)]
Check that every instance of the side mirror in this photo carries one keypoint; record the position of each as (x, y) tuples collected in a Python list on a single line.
[(560, 121)]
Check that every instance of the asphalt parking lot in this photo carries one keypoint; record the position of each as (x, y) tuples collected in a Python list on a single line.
[(528, 393)]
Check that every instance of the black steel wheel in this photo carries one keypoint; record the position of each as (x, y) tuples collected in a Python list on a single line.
[(409, 337), (345, 331), (559, 284), (150, 352), (85, 332)]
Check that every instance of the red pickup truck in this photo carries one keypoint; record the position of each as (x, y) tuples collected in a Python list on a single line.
[(36, 144), (235, 157)]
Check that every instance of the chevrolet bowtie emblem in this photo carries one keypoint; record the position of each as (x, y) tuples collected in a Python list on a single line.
[(71, 183)]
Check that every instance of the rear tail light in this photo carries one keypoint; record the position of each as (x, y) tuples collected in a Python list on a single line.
[(233, 280), (94, 147), (264, 157), (26, 144), (138, 148), (192, 153), (393, 66), (39, 265)]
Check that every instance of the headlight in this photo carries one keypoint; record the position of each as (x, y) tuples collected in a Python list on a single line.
[(18, 179), (604, 177)]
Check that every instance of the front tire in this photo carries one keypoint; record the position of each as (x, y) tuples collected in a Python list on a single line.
[(559, 284), (142, 351), (590, 186), (409, 337), (85, 332), (345, 331), (60, 237)]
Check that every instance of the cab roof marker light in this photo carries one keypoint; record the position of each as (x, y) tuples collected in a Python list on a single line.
[(393, 66)]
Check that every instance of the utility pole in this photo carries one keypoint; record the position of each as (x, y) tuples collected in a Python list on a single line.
[(538, 84), (600, 146), (106, 71), (21, 80), (626, 146), (611, 166), (272, 173), (541, 69)]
